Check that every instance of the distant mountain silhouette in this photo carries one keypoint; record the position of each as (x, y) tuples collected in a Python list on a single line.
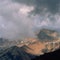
[(15, 53), (47, 35), (2, 41)]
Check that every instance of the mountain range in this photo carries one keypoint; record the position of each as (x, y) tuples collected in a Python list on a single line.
[(47, 43)]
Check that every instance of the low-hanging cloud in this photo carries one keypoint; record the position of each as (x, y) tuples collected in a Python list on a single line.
[(15, 22)]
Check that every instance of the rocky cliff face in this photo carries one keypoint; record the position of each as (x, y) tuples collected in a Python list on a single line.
[(49, 56), (15, 53), (48, 41), (47, 35)]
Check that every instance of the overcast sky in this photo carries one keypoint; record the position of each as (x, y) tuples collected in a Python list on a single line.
[(22, 18)]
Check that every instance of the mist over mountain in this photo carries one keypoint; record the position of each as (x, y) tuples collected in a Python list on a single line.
[(28, 27), (47, 34), (31, 48), (20, 19)]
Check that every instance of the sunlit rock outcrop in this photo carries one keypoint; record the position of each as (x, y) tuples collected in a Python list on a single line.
[(48, 41)]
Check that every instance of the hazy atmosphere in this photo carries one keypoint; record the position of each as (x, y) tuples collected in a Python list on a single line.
[(22, 18)]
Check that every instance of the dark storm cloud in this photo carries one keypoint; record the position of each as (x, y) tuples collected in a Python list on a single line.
[(51, 5), (15, 22), (28, 2)]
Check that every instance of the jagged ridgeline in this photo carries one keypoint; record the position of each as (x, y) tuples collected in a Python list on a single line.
[(47, 35), (15, 53), (30, 51)]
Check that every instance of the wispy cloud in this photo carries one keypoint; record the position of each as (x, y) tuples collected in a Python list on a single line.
[(15, 22)]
